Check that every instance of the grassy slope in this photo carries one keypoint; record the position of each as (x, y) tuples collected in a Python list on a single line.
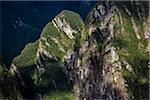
[(27, 56), (53, 73), (50, 32), (73, 18), (137, 57), (127, 42)]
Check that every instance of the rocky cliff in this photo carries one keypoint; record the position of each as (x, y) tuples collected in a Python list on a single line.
[(103, 58)]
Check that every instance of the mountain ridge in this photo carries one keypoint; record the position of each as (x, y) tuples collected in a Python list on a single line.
[(99, 59)]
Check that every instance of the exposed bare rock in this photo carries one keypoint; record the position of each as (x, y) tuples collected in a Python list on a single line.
[(13, 69), (127, 66), (93, 57), (62, 25), (135, 29), (112, 56)]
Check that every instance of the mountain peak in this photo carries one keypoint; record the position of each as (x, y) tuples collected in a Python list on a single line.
[(99, 59)]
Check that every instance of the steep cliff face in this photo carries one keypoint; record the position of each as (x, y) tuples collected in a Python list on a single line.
[(116, 55), (43, 61), (105, 58), (99, 71)]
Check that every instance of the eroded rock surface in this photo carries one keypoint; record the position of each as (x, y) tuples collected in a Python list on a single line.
[(96, 60)]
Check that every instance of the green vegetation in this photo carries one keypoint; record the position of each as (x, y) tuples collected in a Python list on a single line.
[(76, 23), (58, 43), (50, 31), (55, 42), (54, 81), (73, 19), (119, 42), (55, 95), (27, 56), (129, 50), (54, 49)]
